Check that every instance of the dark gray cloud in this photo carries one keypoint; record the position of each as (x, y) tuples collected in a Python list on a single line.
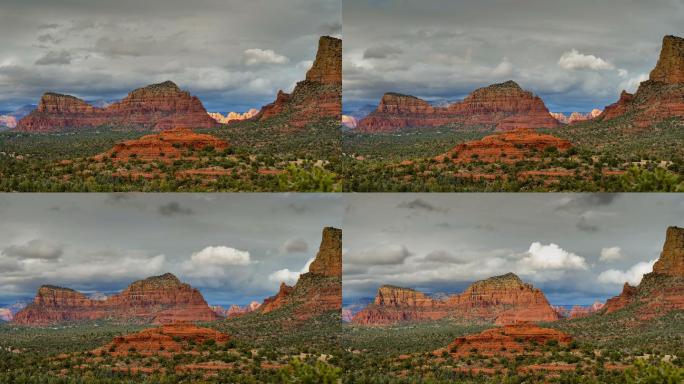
[(296, 245), (34, 249), (55, 58), (576, 254), (575, 57), (96, 242), (381, 52), (173, 208), (100, 51), (420, 204)]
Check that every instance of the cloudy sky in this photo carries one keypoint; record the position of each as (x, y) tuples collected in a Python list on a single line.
[(233, 54), (576, 55), (577, 248), (235, 248)]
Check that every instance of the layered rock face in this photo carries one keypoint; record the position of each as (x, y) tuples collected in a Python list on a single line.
[(319, 96), (503, 106), (505, 147), (671, 260), (157, 107), (233, 116), (576, 117), (165, 340), (661, 96), (501, 299), (320, 289), (159, 299), (236, 310), (165, 146), (508, 340), (660, 291)]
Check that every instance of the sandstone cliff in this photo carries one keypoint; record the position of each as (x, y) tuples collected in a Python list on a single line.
[(661, 96), (505, 147), (317, 97), (660, 291), (501, 299), (159, 299), (503, 106), (165, 146), (320, 289), (154, 107)]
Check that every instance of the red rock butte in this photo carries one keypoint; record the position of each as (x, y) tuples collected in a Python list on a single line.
[(508, 340), (660, 291), (320, 289), (661, 96), (155, 107), (165, 340), (506, 147), (159, 299), (501, 299), (164, 146), (504, 106), (317, 97)]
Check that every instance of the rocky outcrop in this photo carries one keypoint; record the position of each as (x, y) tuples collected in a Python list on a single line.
[(660, 291), (317, 291), (165, 146), (661, 96), (164, 341), (501, 299), (159, 299), (8, 121), (579, 311), (622, 300), (235, 310), (576, 117), (670, 66), (508, 340), (503, 106), (671, 260), (155, 107), (233, 116), (317, 97), (349, 121), (328, 260), (505, 147)]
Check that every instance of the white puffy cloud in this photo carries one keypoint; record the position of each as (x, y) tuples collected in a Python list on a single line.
[(221, 256), (294, 246), (287, 276), (386, 254), (572, 60), (632, 276), (551, 256), (610, 254), (256, 56)]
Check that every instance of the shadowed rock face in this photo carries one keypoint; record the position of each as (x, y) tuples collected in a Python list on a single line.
[(661, 96), (504, 106), (159, 299), (158, 107), (320, 289), (501, 299), (319, 96), (660, 291)]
